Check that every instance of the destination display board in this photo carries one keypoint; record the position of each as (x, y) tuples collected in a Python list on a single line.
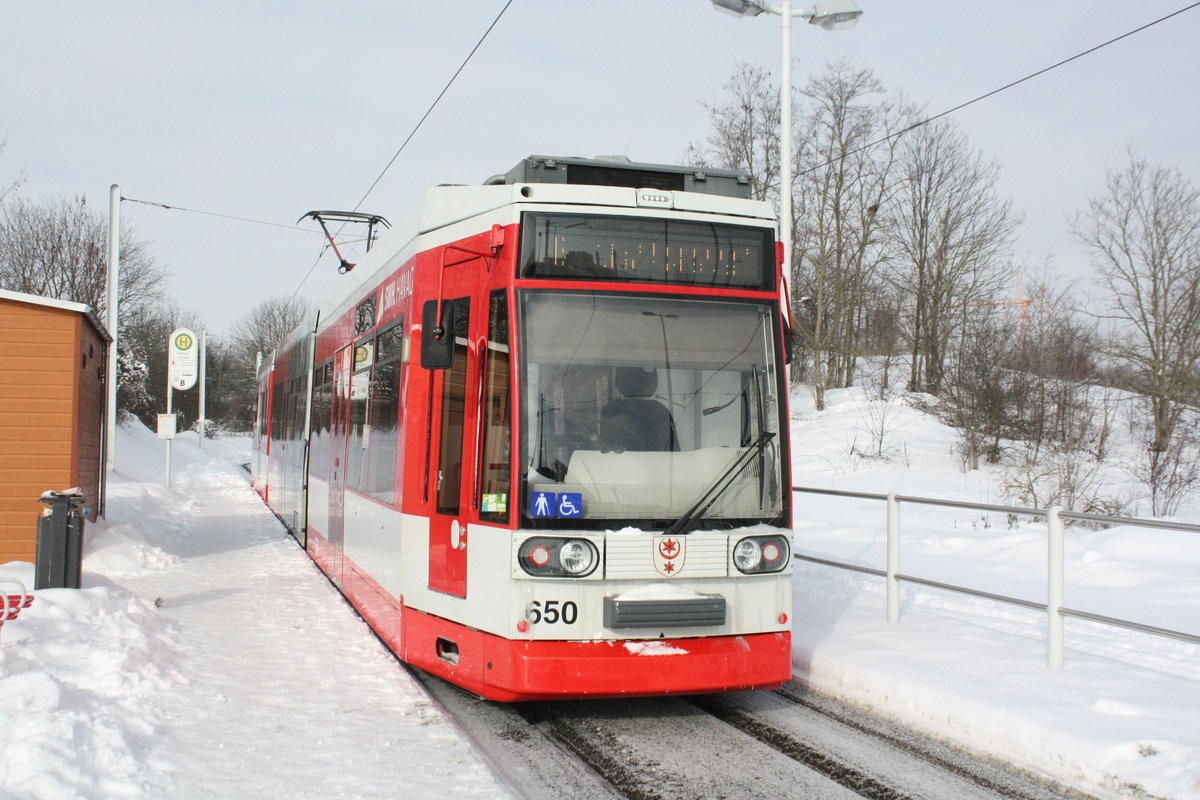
[(647, 250)]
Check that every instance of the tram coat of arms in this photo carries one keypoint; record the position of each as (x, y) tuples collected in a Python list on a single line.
[(669, 554)]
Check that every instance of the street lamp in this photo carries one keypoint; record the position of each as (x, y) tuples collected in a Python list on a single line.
[(832, 15)]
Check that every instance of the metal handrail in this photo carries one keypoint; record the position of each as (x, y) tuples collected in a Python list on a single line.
[(1055, 611)]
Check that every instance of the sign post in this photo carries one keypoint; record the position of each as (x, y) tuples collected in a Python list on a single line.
[(182, 365), (184, 359), (203, 388)]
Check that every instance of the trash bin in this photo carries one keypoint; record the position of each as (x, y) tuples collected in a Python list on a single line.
[(59, 541)]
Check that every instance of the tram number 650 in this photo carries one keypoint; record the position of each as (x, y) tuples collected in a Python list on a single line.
[(553, 611)]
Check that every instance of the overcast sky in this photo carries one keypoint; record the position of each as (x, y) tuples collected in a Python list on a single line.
[(268, 109)]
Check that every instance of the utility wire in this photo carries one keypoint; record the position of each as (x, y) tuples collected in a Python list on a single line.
[(410, 136), (487, 32), (437, 100), (1005, 87), (214, 214)]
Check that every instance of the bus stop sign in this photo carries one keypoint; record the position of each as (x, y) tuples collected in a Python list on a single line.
[(183, 359)]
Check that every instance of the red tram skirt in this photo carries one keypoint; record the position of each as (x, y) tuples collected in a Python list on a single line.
[(506, 670)]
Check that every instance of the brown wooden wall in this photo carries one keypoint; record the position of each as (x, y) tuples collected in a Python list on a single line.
[(89, 452), (51, 416)]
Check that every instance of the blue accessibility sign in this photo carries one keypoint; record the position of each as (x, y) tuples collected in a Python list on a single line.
[(556, 504), (543, 504), (570, 504)]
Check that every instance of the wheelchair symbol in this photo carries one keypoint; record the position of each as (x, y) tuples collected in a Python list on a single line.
[(570, 504)]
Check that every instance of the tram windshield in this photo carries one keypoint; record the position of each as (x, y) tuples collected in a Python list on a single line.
[(638, 408)]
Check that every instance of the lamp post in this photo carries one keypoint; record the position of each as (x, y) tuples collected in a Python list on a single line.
[(112, 314), (831, 15)]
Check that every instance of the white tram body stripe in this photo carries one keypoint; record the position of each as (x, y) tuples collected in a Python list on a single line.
[(629, 555), (373, 542), (318, 505), (393, 549)]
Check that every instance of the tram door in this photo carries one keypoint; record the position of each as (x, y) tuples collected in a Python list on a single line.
[(450, 467), (343, 365)]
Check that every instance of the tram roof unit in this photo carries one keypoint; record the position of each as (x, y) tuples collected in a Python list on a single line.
[(596, 182), (706, 191), (620, 171)]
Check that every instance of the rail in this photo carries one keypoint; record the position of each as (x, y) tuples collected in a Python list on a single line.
[(1055, 564)]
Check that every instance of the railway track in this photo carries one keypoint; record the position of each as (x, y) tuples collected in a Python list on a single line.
[(792, 743)]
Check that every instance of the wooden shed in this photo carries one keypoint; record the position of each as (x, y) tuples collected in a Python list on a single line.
[(53, 367)]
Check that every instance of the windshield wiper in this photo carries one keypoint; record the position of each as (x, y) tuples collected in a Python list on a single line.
[(713, 493)]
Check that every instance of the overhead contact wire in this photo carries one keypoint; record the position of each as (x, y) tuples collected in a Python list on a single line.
[(214, 214), (437, 100), (410, 136), (1005, 87)]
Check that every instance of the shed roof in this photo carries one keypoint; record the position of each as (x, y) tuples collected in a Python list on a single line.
[(66, 305)]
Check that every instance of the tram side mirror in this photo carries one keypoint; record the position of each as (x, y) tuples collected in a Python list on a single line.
[(437, 339)]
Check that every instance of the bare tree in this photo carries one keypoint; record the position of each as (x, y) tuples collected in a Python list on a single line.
[(1143, 235), (59, 248), (744, 132), (843, 183), (232, 397), (979, 395), (1172, 473), (12, 185), (953, 235), (865, 198), (1056, 350), (1060, 477), (267, 325), (261, 330), (229, 377), (144, 344)]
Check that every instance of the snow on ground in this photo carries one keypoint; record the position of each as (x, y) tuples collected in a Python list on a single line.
[(1120, 719), (206, 657)]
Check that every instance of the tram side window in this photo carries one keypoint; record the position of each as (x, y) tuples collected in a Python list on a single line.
[(359, 438), (318, 463), (384, 414), (262, 414), (278, 400), (295, 423), (497, 416), (454, 402)]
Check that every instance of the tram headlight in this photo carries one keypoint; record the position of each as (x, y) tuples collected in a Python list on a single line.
[(747, 555), (759, 554), (577, 557), (552, 557)]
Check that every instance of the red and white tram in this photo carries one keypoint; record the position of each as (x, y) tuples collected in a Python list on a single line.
[(541, 447)]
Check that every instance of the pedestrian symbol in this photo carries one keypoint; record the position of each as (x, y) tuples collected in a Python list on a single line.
[(542, 504)]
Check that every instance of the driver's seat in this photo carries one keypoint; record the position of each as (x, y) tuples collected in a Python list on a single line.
[(636, 421)]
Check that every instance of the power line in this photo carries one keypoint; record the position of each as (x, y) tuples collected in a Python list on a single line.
[(438, 99), (214, 214), (505, 8), (1005, 87), (410, 136)]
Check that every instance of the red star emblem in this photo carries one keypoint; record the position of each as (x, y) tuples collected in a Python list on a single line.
[(669, 554)]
